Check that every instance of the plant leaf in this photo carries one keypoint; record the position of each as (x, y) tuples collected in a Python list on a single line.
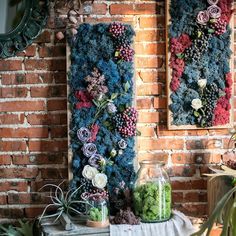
[(127, 86), (196, 114), (180, 55)]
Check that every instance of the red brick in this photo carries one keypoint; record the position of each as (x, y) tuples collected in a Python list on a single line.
[(44, 37), (144, 103), (47, 119), (13, 92), (54, 173), (10, 146), (26, 173), (52, 51), (59, 132), (150, 49), (149, 89), (202, 143), (49, 91), (188, 185), (177, 197), (13, 185), (147, 76), (24, 132), (182, 171), (163, 131), (3, 199), (160, 102), (27, 198), (150, 35), (159, 144), (5, 159), (163, 157), (55, 105), (13, 79), (146, 131), (99, 8), (193, 209), (33, 212), (7, 106), (10, 65), (11, 213), (149, 62), (37, 185), (43, 64), (148, 117), (195, 197), (38, 159), (48, 145), (152, 22), (8, 119), (29, 51), (42, 78)]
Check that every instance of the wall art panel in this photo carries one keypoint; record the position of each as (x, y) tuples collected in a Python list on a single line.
[(199, 63), (102, 117)]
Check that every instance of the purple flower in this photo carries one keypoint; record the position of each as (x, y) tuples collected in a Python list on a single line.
[(214, 11), (203, 17), (122, 144), (83, 134), (89, 149), (212, 2), (96, 160)]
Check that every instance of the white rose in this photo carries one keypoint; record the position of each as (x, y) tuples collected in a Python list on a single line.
[(100, 180), (89, 172), (202, 83), (196, 104)]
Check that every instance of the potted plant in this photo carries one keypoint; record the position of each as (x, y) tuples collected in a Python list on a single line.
[(225, 210)]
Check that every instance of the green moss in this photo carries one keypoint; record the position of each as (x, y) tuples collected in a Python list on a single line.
[(152, 201), (97, 214)]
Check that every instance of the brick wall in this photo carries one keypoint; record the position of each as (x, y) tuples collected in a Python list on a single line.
[(33, 120)]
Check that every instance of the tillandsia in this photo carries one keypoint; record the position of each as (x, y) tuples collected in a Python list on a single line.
[(61, 202)]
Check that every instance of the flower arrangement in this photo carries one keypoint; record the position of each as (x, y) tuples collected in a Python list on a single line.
[(201, 82), (103, 121)]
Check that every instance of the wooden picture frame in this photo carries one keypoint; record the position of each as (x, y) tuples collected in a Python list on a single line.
[(171, 126)]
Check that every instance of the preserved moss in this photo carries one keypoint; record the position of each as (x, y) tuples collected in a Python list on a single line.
[(152, 201)]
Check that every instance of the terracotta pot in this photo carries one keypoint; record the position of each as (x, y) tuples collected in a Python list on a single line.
[(97, 224), (216, 231)]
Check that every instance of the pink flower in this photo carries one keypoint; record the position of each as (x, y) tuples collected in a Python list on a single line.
[(212, 2), (178, 45), (228, 79), (94, 130), (203, 17), (214, 11), (226, 8), (84, 99)]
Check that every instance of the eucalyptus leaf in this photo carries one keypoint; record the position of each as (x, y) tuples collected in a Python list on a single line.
[(180, 55), (196, 114), (114, 96), (127, 86), (211, 31)]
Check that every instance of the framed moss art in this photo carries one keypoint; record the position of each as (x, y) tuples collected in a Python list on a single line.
[(102, 119), (199, 63)]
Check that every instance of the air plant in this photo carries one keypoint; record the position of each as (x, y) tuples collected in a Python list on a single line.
[(225, 210), (63, 202)]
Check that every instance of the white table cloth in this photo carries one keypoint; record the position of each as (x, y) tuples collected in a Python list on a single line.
[(178, 225)]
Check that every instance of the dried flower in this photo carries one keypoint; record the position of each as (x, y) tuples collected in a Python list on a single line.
[(203, 17), (94, 131), (111, 108), (196, 104), (89, 149), (84, 99), (89, 172), (100, 180), (122, 144), (214, 11), (83, 134), (96, 87), (96, 160), (113, 152), (202, 83)]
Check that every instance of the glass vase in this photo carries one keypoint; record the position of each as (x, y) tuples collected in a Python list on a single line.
[(152, 193)]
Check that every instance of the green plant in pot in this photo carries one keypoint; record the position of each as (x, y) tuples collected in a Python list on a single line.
[(225, 210)]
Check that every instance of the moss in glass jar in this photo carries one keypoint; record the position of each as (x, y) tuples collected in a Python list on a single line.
[(97, 214), (152, 201)]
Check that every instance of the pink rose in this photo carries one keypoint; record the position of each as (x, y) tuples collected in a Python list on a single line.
[(203, 17), (212, 2), (214, 11)]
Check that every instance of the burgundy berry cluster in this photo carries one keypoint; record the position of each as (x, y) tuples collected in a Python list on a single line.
[(125, 122), (117, 29)]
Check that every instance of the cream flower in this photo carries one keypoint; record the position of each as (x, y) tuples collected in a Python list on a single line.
[(203, 17), (202, 83), (89, 172), (214, 11), (196, 104), (99, 181)]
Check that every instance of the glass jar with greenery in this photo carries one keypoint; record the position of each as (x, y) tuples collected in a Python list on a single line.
[(152, 193), (98, 215)]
